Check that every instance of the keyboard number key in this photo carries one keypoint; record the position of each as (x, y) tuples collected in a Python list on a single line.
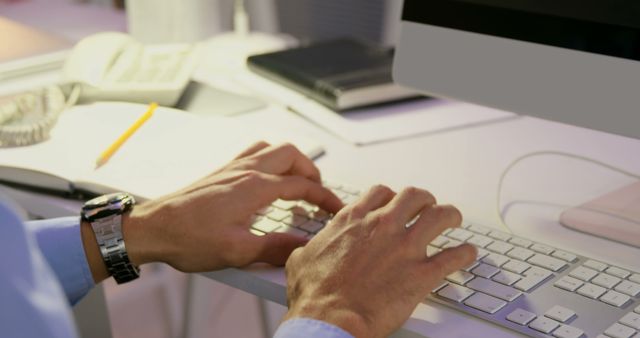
[(619, 331), (628, 288), (591, 291), (612, 270), (605, 280), (595, 265), (615, 298), (583, 273), (632, 320)]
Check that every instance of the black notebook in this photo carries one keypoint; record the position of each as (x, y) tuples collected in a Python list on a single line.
[(341, 74)]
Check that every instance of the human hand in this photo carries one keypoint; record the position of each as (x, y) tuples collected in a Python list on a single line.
[(206, 225), (369, 271)]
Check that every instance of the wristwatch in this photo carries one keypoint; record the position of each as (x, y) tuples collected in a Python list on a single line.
[(105, 213)]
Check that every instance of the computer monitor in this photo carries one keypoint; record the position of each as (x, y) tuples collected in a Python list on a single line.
[(572, 61)]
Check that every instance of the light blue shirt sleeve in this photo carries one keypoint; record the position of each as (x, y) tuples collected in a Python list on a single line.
[(33, 304), (309, 328), (60, 241)]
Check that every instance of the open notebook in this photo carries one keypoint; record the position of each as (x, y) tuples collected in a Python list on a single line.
[(171, 150)]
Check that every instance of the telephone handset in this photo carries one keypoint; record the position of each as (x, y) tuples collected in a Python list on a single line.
[(114, 66), (28, 118), (104, 66)]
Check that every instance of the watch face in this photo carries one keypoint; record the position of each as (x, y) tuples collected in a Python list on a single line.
[(107, 205)]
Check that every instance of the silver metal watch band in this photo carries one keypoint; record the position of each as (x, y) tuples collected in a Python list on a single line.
[(108, 232)]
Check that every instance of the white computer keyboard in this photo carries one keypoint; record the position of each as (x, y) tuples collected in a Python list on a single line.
[(529, 287)]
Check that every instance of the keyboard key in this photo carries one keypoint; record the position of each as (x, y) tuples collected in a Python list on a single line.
[(520, 316), (502, 236), (485, 270), (256, 232), (439, 241), (544, 325), (605, 280), (432, 250), (266, 225), (312, 226), (295, 220), (632, 320), (541, 248), (559, 313), (506, 278), (615, 298), (479, 229), (547, 262), (583, 273), (612, 270), (535, 271), (460, 234), (278, 214), (440, 286), (471, 267), (285, 205), (485, 303), (481, 254), (495, 259), (499, 247), (292, 231), (460, 277), (455, 293), (494, 289), (635, 278), (264, 211), (451, 244), (568, 283), (520, 253), (516, 266), (528, 283), (628, 288), (591, 291), (566, 331), (565, 256), (480, 241), (595, 265), (619, 331), (525, 243)]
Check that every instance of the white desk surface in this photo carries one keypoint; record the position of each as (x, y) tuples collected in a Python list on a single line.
[(462, 167)]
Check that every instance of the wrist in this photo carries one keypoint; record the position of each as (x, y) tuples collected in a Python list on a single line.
[(139, 236), (330, 312)]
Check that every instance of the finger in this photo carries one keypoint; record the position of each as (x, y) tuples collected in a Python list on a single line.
[(405, 206), (275, 248), (377, 197), (433, 221), (256, 147), (296, 188), (440, 265), (285, 159)]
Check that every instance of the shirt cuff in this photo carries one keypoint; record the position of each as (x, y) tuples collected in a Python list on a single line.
[(60, 241), (310, 328)]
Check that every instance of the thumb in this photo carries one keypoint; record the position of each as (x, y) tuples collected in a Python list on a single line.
[(275, 248)]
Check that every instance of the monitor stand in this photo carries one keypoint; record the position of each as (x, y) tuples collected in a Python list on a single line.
[(614, 216)]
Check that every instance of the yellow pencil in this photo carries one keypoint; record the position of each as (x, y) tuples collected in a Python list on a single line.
[(104, 157)]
